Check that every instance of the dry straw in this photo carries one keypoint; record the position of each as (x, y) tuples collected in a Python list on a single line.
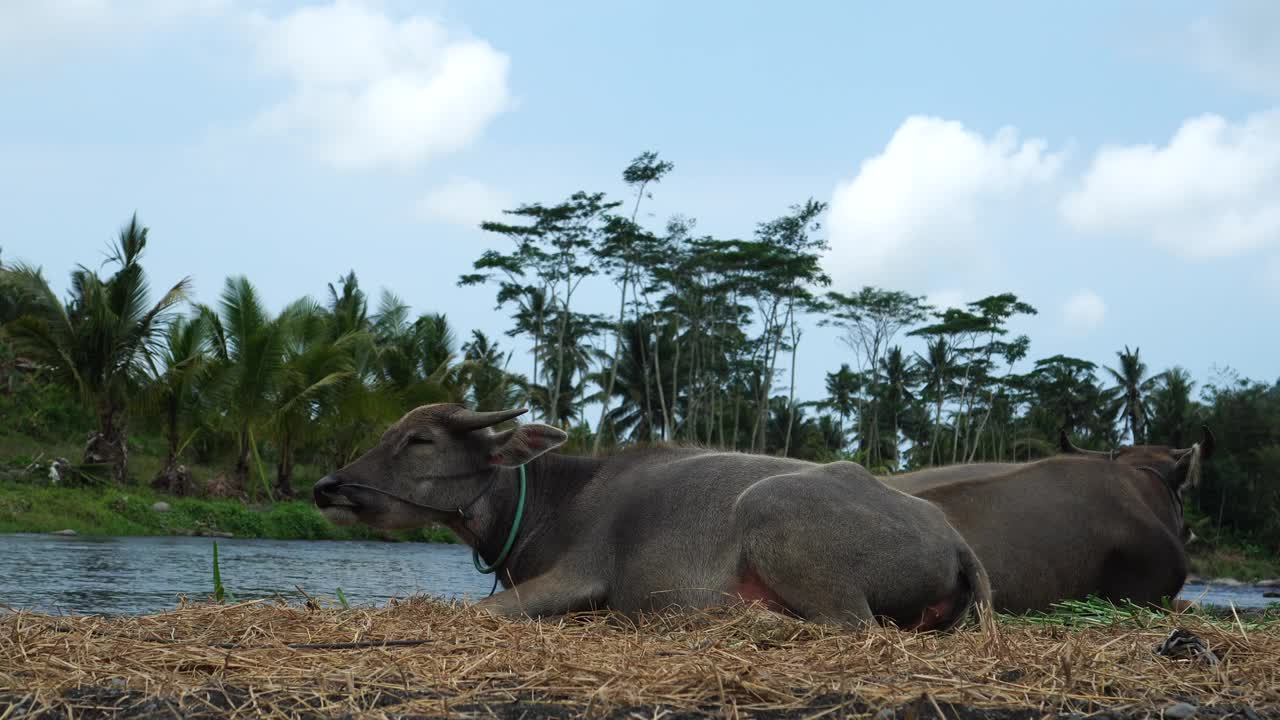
[(269, 659)]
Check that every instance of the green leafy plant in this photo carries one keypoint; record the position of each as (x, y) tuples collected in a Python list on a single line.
[(219, 591)]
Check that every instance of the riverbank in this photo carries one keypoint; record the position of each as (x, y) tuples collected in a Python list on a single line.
[(426, 658), (140, 511), (1233, 563), (29, 503), (27, 507)]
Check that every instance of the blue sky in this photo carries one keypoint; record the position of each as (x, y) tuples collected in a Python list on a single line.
[(1117, 165)]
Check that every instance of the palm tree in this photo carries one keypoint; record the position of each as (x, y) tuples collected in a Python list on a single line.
[(363, 403), (843, 387), (14, 302), (630, 418), (101, 342), (348, 308), (1065, 393), (1172, 409), (492, 387), (312, 367), (416, 360), (248, 351), (436, 341), (937, 368), (173, 394), (532, 318), (1129, 395), (561, 404), (895, 397), (832, 432)]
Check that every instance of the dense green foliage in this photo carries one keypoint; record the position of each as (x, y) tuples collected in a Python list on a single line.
[(699, 346)]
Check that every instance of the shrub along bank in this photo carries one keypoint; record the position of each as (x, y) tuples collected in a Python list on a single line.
[(29, 508)]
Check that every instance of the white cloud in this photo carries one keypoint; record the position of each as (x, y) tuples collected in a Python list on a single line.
[(921, 200), (1212, 191), (1239, 43), (1084, 312), (463, 201), (44, 25), (372, 91)]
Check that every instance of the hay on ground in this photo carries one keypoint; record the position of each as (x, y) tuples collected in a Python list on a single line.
[(269, 659)]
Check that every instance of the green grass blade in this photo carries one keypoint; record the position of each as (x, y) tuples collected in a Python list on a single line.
[(218, 591)]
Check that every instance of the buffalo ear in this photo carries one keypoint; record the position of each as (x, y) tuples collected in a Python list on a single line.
[(520, 444), (1186, 471)]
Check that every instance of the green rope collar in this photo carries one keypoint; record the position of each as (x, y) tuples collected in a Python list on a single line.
[(511, 536)]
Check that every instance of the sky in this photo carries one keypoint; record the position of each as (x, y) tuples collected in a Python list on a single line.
[(1116, 165)]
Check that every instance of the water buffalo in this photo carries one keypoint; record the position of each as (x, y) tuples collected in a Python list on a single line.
[(1108, 524), (1135, 455), (919, 480), (654, 527)]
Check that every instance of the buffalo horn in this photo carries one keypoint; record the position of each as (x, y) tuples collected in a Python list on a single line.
[(1066, 446), (1207, 442), (467, 420)]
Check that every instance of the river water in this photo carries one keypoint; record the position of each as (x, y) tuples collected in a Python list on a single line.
[(116, 575)]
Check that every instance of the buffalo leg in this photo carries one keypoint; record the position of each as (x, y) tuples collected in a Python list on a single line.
[(838, 547), (815, 590), (792, 542), (552, 593)]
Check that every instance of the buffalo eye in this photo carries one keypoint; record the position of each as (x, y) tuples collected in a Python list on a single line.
[(412, 440)]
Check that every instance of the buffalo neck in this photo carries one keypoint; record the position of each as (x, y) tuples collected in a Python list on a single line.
[(552, 481), (1152, 484)]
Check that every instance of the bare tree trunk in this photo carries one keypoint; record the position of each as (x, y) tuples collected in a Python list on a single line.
[(737, 410), (766, 391), (537, 352), (108, 444), (756, 422), (897, 460), (873, 430), (643, 337), (240, 476), (973, 453), (691, 387), (964, 406), (937, 427), (791, 391), (617, 357), (657, 374), (861, 435), (173, 477), (284, 467), (770, 366), (675, 377)]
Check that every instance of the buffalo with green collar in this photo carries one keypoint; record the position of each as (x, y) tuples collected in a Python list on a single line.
[(655, 527)]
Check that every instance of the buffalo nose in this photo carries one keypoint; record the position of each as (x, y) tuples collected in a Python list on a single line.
[(325, 490)]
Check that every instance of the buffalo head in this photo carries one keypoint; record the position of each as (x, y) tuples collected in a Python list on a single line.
[(1181, 458), (1178, 468), (430, 466)]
